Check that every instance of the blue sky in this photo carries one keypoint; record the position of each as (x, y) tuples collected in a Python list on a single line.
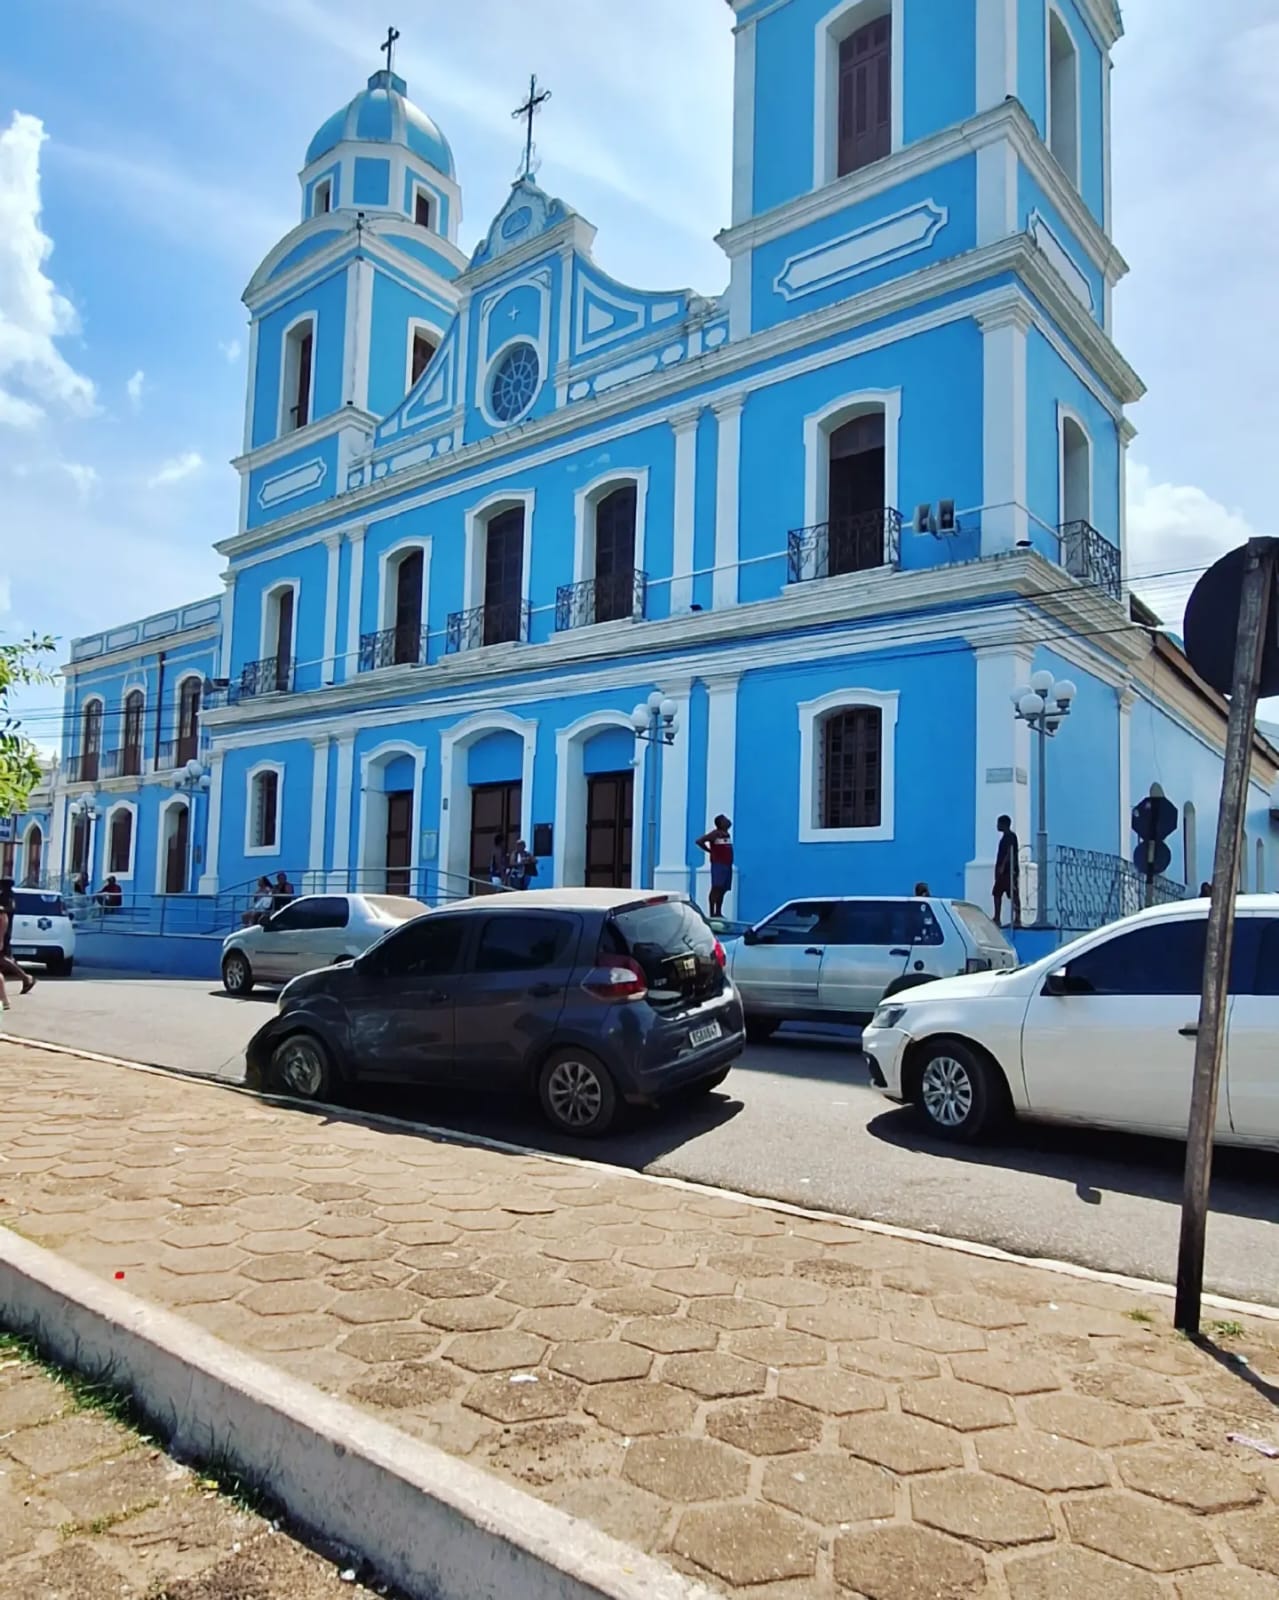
[(148, 159)]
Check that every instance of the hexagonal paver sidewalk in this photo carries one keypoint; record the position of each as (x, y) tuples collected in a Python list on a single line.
[(788, 1408)]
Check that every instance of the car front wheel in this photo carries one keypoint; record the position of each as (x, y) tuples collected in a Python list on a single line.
[(960, 1096), (237, 974), (577, 1094), (300, 1066)]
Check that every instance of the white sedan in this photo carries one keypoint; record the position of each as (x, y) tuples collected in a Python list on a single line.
[(1100, 1033)]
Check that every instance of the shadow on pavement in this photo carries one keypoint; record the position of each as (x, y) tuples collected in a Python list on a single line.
[(1093, 1161), (834, 1055)]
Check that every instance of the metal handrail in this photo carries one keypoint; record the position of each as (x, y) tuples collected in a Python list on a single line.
[(401, 646), (863, 543), (1090, 557), (496, 622), (271, 675), (614, 597)]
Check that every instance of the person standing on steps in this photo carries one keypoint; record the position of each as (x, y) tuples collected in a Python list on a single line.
[(1007, 872), (718, 845)]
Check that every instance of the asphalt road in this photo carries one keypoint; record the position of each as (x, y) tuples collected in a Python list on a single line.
[(797, 1120)]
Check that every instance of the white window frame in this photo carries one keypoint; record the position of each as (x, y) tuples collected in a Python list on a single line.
[(323, 188), (812, 717), (433, 200), (818, 428), (174, 803), (419, 325), (586, 503), (832, 29), (1051, 12), (258, 770), (370, 830), (131, 807), (1065, 414), (490, 372), (288, 372), (477, 521), (183, 680), (99, 701), (388, 566), (20, 873), (269, 618)]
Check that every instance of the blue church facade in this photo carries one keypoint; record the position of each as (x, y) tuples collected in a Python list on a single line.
[(838, 515)]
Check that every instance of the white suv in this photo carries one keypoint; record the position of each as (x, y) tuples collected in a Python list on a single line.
[(1100, 1033), (42, 930)]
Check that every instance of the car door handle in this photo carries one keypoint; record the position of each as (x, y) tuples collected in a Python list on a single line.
[(543, 991), (1189, 1030), (812, 950), (899, 952)]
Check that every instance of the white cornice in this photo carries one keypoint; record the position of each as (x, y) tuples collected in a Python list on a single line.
[(301, 438), (1007, 121), (167, 643), (856, 601), (572, 232), (376, 238)]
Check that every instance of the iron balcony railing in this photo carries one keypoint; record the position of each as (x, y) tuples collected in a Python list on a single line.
[(1090, 557), (127, 762), (86, 767), (498, 622), (270, 676), (612, 598), (1092, 888), (401, 646), (863, 543), (175, 753)]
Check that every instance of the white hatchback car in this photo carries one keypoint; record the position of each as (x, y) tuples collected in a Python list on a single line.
[(313, 931), (42, 930), (1100, 1033)]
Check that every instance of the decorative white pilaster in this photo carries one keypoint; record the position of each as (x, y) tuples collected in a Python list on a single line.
[(354, 601), (728, 471), (1002, 758), (673, 872), (996, 52), (228, 623), (685, 429), (1127, 433), (319, 810), (1127, 699), (343, 782), (721, 774), (744, 122), (1005, 522), (213, 825), (329, 672)]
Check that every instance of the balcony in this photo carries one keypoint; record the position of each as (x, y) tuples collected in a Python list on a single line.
[(616, 597), (271, 676), (175, 753), (86, 767), (866, 542), (126, 762), (498, 622), (400, 646), (1091, 558)]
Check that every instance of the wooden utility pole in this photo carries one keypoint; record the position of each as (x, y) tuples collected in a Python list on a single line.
[(1260, 567)]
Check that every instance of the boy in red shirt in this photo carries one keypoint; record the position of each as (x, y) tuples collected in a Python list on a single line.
[(719, 847)]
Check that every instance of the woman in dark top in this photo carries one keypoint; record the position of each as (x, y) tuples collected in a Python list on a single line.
[(9, 968)]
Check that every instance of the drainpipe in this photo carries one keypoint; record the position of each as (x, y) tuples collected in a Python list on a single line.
[(159, 707)]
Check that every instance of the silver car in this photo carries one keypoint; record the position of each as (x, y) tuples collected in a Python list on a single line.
[(833, 959), (313, 931)]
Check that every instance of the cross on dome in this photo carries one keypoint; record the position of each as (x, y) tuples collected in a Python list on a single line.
[(529, 110), (388, 49)]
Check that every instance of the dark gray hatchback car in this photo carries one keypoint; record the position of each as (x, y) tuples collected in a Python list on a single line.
[(584, 997)]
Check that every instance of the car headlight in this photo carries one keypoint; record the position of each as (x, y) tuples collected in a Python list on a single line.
[(888, 1016)]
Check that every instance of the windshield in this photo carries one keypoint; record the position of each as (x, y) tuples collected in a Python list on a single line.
[(983, 930), (28, 904), (673, 943), (395, 907)]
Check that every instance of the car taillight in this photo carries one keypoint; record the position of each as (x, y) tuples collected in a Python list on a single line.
[(619, 979), (720, 955)]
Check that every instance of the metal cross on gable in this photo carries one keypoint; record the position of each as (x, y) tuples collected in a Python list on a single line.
[(529, 110), (388, 49)]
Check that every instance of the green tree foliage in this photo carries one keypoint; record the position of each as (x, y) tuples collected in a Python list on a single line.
[(20, 664)]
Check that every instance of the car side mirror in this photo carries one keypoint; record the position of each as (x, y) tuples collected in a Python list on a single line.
[(1057, 982), (750, 937)]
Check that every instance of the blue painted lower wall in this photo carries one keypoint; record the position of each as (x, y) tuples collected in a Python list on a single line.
[(167, 956)]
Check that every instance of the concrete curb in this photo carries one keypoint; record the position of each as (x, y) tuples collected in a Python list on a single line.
[(887, 1230), (433, 1525)]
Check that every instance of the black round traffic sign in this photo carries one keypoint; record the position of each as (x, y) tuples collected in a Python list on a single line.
[(1152, 866), (1212, 627)]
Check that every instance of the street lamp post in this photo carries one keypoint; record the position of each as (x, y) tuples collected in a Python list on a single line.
[(1044, 705), (192, 780), (85, 807), (656, 722)]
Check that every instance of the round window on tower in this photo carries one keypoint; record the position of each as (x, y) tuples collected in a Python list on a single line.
[(513, 386)]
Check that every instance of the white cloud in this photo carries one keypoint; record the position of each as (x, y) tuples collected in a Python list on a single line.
[(33, 314), (84, 477), (183, 466), (230, 348), (134, 388), (1175, 532)]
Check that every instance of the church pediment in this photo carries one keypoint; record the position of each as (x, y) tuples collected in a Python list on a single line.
[(527, 214)]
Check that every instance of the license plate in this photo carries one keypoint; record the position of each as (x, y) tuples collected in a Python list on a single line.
[(706, 1035), (24, 949)]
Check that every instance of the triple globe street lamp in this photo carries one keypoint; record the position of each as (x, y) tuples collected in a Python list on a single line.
[(1043, 705)]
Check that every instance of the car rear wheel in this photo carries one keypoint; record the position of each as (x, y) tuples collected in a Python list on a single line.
[(237, 974), (300, 1066), (759, 1030), (960, 1096), (577, 1094)]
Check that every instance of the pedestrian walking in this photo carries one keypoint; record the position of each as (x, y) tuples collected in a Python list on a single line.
[(499, 862), (1007, 872), (718, 845), (9, 968)]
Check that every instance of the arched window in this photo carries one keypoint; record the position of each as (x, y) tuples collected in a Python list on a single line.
[(847, 743), (33, 856), (1063, 96), (1076, 473), (410, 572), (120, 830), (189, 720), (174, 846), (423, 348), (297, 388), (90, 742), (856, 496), (131, 753), (615, 592), (865, 127), (274, 673), (322, 201), (264, 811)]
